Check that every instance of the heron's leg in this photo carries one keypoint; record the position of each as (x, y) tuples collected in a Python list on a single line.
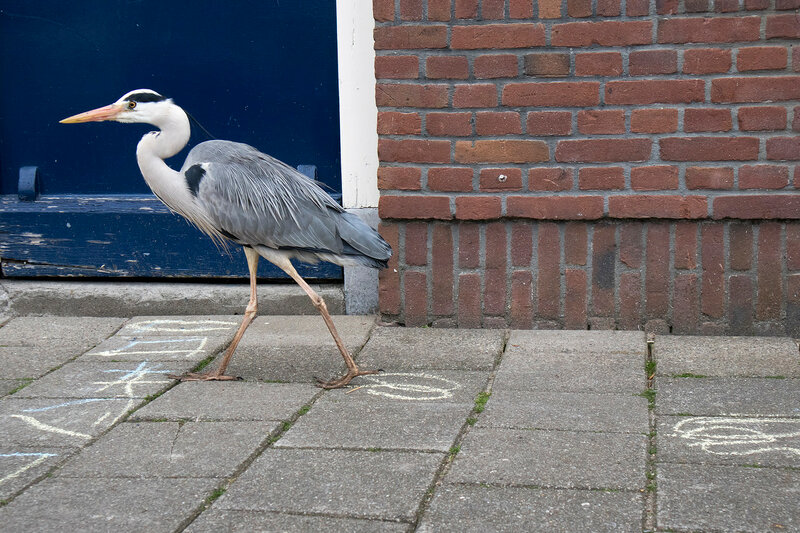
[(249, 315)]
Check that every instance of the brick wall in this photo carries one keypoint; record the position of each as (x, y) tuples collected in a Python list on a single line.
[(579, 163)]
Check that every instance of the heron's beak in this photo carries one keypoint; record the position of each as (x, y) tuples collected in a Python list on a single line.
[(100, 114)]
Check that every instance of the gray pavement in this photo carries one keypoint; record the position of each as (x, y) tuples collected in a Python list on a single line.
[(464, 430)]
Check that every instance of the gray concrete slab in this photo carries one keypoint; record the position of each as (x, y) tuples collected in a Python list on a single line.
[(228, 400), (20, 466), (7, 386), (418, 386), (399, 349), (475, 508), (623, 413), (729, 440), (607, 342), (160, 348), (182, 326), (106, 379), (358, 484), (68, 334), (726, 396), (216, 520), (727, 498), (58, 422), (170, 449), (555, 459), (30, 361), (104, 505), (727, 356)]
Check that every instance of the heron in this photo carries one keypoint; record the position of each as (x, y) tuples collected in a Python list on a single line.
[(234, 193)]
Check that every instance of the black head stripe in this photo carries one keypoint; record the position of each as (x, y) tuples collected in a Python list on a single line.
[(145, 97)]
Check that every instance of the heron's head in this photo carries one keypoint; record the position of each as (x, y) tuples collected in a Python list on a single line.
[(141, 105)]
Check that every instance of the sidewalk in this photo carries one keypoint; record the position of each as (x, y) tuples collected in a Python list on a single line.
[(465, 430)]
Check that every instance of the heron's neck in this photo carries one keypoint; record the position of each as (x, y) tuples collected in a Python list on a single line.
[(159, 145)]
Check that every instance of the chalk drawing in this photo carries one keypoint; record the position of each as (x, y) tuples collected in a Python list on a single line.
[(52, 429), (176, 325), (411, 386), (740, 435), (36, 459), (133, 377), (187, 346)]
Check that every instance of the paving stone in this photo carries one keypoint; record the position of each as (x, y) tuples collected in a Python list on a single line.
[(432, 349), (215, 520), (623, 413), (186, 326), (58, 422), (466, 508), (729, 440), (422, 386), (106, 379), (30, 361), (9, 385), (170, 449), (228, 400), (66, 334), (21, 466), (104, 505), (725, 396), (148, 348), (358, 484), (727, 356), (579, 342), (557, 459), (727, 498), (297, 348)]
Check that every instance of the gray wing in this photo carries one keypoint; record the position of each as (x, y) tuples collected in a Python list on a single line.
[(254, 199)]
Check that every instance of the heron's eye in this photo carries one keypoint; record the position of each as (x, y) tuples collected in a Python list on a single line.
[(131, 105)]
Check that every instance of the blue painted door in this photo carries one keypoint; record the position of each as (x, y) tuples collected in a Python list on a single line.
[(261, 72)]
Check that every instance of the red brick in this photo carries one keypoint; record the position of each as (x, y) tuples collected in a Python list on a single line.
[(709, 178), (651, 206), (413, 151), (647, 62), (469, 246), (741, 246), (709, 30), (752, 5), (787, 4), (492, 9), (598, 64), (601, 121), (396, 123), (500, 179), (706, 119), (796, 119), (761, 89), (793, 305), (642, 92), (603, 150), (416, 244), (494, 123), (450, 179), (495, 66), (793, 247), (410, 9), (389, 278), (410, 95), (439, 10), (685, 245), (398, 67), (448, 124), (494, 298), (763, 118), (549, 279), (494, 36), (763, 177), (630, 244), (438, 67), (609, 8), (654, 178), (466, 9), (399, 178), (547, 64), (783, 148), (762, 58), (469, 301), (601, 178), (521, 299), (783, 27), (579, 8), (713, 265), (552, 94), (409, 37), (521, 244), (654, 120), (685, 300), (520, 9), (603, 33), (657, 270), (414, 207), (769, 271), (630, 300), (740, 307), (709, 148), (550, 179), (603, 269), (549, 123), (637, 8), (383, 10), (726, 6), (475, 95), (667, 7), (757, 207), (706, 60), (575, 243), (698, 6), (508, 151), (555, 207), (575, 299), (478, 207), (442, 270)]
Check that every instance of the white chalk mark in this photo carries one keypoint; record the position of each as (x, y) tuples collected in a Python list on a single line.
[(133, 377), (66, 404), (52, 429), (437, 388), (172, 326), (740, 435), (40, 458), (101, 418), (147, 347)]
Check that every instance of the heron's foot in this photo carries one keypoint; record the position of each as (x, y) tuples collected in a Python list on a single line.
[(344, 380), (198, 376)]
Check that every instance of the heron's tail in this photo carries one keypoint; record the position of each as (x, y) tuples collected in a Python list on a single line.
[(362, 244)]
